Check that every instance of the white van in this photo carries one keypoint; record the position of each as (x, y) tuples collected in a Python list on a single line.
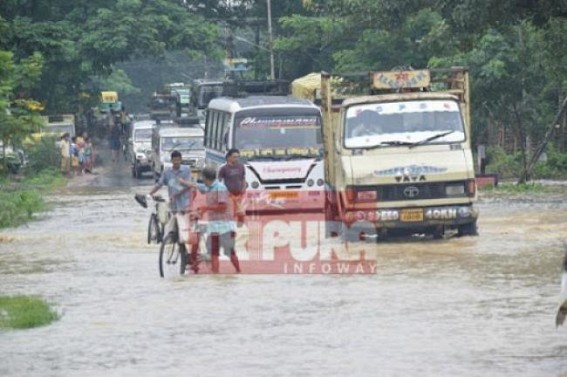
[(187, 140), (139, 147)]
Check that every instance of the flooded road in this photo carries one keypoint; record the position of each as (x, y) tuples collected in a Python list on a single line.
[(475, 306)]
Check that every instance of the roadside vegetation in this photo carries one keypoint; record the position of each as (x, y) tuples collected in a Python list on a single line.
[(25, 312), (21, 194), (508, 165)]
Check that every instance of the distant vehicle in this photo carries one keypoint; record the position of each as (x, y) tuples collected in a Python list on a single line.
[(187, 140), (203, 92), (109, 102), (12, 157), (182, 93), (59, 124), (139, 147), (55, 126), (163, 105)]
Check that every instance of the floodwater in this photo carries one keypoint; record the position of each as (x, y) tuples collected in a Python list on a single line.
[(474, 306)]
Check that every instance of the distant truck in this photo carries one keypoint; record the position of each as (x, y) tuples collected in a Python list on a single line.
[(398, 154), (59, 124), (182, 94), (162, 105), (109, 102)]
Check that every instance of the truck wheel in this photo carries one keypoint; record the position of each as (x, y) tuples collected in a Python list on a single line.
[(438, 232), (467, 230)]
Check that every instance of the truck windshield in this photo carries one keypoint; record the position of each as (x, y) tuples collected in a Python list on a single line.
[(143, 135), (279, 136), (403, 123), (182, 143)]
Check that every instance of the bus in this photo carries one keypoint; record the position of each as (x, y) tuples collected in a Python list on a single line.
[(280, 144)]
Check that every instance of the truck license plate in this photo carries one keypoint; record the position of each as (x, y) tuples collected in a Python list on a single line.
[(411, 215)]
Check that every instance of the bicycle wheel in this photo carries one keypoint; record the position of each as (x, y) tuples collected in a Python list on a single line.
[(172, 257), (154, 231)]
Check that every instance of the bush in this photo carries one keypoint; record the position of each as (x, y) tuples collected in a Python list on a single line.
[(506, 165), (17, 207), (509, 165), (20, 199), (43, 155)]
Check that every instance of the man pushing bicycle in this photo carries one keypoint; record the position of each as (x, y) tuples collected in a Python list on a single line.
[(180, 186)]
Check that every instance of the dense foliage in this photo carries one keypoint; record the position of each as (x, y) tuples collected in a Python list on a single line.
[(63, 53)]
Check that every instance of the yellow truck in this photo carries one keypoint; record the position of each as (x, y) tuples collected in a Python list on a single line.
[(398, 157)]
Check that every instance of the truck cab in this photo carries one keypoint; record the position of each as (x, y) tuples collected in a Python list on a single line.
[(398, 157)]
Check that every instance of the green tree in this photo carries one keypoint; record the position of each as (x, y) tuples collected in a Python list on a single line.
[(18, 113), (79, 39)]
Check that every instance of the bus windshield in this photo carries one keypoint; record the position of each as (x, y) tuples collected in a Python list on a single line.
[(282, 135)]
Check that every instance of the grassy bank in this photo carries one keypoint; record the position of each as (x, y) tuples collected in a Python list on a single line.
[(22, 196), (24, 312)]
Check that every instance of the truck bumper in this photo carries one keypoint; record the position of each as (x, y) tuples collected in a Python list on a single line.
[(418, 218)]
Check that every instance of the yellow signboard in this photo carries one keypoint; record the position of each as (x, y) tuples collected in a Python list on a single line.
[(109, 97), (401, 79)]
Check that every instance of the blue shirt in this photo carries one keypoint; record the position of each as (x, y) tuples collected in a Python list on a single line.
[(216, 193), (179, 195)]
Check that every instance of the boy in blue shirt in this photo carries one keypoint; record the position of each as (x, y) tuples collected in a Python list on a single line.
[(221, 224)]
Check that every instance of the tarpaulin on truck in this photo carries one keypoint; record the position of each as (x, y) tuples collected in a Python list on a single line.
[(307, 86)]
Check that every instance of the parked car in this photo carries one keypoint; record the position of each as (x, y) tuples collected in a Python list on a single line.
[(187, 140), (12, 157), (139, 146)]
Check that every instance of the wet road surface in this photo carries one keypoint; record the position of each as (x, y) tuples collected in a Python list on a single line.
[(474, 306)]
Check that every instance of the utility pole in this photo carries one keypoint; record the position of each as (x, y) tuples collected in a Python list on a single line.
[(271, 41)]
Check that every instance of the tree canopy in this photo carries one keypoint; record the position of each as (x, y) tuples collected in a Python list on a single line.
[(515, 50)]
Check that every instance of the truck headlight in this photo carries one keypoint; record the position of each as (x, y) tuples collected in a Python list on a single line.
[(455, 190)]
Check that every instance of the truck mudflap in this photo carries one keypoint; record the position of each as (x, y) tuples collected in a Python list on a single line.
[(416, 217)]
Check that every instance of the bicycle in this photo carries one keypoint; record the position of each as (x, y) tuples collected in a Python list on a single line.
[(164, 228), (173, 256), (158, 218)]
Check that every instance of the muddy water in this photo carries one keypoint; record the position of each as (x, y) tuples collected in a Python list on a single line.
[(481, 306)]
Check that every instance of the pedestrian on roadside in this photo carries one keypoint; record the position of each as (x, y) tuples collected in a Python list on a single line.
[(115, 134), (75, 160), (65, 154), (233, 174), (89, 155)]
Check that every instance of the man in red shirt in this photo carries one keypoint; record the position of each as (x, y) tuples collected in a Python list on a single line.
[(233, 174)]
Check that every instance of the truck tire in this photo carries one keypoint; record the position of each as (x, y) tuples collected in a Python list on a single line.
[(467, 230)]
